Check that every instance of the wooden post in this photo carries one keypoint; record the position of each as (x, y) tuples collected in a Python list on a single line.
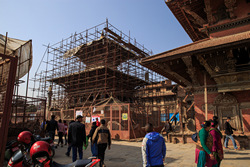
[(6, 117)]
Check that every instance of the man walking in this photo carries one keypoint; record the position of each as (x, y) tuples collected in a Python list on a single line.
[(69, 145), (52, 127), (77, 137), (153, 148), (167, 127), (103, 139), (229, 131)]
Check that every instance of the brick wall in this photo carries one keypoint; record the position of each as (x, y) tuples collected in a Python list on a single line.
[(199, 111), (242, 97)]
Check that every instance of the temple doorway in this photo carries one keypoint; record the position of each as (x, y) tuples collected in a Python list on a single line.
[(226, 105)]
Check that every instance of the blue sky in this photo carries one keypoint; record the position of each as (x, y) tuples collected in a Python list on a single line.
[(49, 21)]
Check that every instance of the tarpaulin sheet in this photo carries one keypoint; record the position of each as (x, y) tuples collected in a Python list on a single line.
[(21, 49)]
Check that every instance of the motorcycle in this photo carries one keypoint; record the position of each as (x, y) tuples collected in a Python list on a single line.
[(48, 140), (90, 162), (11, 148), (21, 158)]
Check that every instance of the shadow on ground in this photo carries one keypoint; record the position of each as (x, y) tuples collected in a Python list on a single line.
[(238, 158), (170, 160), (239, 153)]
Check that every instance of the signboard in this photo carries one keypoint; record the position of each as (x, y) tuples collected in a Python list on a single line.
[(94, 118), (87, 120), (79, 112), (125, 116)]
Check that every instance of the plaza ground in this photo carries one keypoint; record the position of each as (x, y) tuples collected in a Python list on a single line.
[(124, 154)]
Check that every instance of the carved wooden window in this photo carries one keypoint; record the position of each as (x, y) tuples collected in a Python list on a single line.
[(242, 56)]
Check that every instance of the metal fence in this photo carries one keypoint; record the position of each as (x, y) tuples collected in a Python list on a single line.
[(8, 66), (27, 113)]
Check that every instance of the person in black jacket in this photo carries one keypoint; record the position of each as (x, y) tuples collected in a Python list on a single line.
[(77, 137), (93, 146), (52, 127), (69, 145), (229, 131)]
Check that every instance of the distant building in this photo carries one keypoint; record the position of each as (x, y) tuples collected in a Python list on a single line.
[(163, 97)]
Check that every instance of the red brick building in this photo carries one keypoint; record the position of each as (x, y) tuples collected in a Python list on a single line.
[(216, 66)]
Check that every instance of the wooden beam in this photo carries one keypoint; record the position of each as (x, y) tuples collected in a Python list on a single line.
[(191, 69), (207, 67), (197, 19), (168, 70), (231, 61), (186, 18), (231, 6), (208, 10)]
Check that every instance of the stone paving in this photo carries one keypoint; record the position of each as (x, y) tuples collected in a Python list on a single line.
[(124, 154)]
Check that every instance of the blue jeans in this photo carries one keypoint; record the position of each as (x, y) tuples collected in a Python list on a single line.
[(226, 141), (94, 150), (74, 152)]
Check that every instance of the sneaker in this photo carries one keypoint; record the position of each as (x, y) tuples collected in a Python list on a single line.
[(226, 147), (67, 154)]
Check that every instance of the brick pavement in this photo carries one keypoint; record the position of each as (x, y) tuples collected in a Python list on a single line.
[(124, 154)]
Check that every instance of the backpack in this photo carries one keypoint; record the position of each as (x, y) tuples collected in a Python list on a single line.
[(195, 137)]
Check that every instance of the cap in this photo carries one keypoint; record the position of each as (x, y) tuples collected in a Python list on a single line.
[(79, 116)]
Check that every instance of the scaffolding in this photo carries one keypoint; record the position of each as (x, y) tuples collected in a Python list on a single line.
[(92, 65), (88, 68)]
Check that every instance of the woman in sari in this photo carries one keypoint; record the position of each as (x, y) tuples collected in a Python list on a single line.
[(217, 148), (204, 145)]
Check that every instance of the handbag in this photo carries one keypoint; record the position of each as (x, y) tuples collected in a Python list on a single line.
[(194, 137)]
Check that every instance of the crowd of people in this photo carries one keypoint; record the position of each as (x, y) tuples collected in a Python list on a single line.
[(76, 138), (208, 152), (209, 148)]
